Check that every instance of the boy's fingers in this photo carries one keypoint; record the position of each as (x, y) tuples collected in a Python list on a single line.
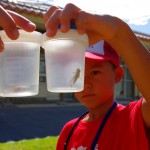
[(52, 23), (9, 21), (68, 15), (49, 13), (22, 22), (1, 45), (56, 16), (8, 24)]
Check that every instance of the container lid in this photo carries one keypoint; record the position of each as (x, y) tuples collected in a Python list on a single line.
[(32, 37), (72, 26), (72, 34)]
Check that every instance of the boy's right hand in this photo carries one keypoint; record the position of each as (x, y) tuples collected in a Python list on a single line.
[(10, 21)]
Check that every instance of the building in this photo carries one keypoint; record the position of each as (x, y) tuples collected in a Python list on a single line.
[(125, 90)]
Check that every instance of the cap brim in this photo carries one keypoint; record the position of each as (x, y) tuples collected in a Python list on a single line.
[(94, 56)]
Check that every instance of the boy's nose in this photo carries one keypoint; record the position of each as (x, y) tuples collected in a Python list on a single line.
[(87, 84)]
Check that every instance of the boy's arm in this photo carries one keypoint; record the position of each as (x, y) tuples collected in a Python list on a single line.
[(117, 33), (137, 58)]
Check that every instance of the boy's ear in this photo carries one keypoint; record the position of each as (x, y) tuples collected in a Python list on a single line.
[(119, 72)]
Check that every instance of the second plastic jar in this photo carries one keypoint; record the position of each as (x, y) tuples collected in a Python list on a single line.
[(65, 61)]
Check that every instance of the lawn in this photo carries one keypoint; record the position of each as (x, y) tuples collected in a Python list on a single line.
[(47, 143)]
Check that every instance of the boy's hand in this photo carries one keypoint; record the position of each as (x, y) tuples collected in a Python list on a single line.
[(10, 21), (97, 27)]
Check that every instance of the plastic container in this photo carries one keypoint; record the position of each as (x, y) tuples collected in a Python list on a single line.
[(65, 61), (19, 65)]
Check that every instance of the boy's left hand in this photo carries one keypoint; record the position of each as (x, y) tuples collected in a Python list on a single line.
[(10, 21)]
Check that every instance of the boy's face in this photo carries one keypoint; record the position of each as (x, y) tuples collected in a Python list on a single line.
[(99, 84)]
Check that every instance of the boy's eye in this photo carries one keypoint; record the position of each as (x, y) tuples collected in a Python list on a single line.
[(95, 73)]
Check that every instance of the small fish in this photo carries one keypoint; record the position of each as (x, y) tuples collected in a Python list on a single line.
[(75, 77)]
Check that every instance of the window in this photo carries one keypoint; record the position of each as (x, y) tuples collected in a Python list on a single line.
[(126, 88)]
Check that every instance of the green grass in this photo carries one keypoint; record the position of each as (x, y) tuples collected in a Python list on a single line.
[(47, 143)]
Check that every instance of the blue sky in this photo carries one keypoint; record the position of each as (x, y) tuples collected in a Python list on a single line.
[(135, 12), (141, 28)]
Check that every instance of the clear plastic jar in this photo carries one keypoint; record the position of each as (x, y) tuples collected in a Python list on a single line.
[(65, 61), (19, 64)]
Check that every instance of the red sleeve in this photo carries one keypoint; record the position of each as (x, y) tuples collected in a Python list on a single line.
[(137, 123), (64, 134)]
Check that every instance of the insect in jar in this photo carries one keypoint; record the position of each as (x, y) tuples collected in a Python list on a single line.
[(16, 89), (75, 76)]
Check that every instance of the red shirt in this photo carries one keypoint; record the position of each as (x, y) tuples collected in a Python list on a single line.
[(124, 130)]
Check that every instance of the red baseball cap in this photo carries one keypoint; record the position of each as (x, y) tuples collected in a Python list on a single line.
[(102, 51)]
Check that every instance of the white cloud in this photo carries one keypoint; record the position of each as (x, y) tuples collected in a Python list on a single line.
[(135, 11), (139, 21)]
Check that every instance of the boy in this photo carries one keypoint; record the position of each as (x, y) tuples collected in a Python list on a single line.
[(107, 125)]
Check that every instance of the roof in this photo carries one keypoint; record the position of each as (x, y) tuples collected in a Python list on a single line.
[(35, 11), (142, 36), (30, 10)]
